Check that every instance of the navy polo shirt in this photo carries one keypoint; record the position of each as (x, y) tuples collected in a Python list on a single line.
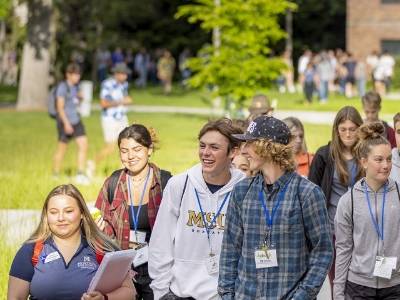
[(52, 278)]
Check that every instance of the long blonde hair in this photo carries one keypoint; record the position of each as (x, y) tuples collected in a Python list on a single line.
[(95, 238)]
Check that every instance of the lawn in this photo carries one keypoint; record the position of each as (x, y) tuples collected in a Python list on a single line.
[(186, 98)]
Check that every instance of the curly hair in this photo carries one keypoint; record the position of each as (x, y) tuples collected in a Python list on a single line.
[(279, 154), (370, 135)]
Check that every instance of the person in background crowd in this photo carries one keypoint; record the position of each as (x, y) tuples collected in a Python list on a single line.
[(183, 66), (367, 225), (361, 77), (165, 70), (103, 60), (335, 167), (309, 80), (304, 60), (186, 238), (130, 216), (260, 105), (69, 124), (142, 61), (372, 62), (59, 260), (302, 156), (387, 63), (324, 71), (117, 56), (114, 98), (285, 254), (395, 173), (350, 64), (371, 103)]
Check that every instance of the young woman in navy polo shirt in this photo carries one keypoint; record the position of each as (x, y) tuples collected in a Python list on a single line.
[(59, 259)]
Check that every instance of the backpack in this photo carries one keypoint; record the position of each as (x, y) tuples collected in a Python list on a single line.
[(52, 100), (37, 249), (112, 183)]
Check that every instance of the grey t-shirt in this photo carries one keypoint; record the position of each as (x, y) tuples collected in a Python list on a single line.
[(70, 95), (338, 189)]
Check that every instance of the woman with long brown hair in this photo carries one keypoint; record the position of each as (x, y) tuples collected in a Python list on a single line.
[(61, 257), (335, 167)]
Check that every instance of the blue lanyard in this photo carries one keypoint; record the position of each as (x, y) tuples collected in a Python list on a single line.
[(203, 216), (136, 217), (376, 225), (270, 217)]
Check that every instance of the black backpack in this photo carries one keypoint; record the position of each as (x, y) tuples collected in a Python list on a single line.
[(112, 183)]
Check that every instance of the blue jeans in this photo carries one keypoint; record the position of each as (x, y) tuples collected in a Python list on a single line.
[(323, 90)]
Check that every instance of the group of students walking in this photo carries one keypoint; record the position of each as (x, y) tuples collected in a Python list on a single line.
[(211, 232)]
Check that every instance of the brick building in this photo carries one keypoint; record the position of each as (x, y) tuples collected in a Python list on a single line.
[(373, 25)]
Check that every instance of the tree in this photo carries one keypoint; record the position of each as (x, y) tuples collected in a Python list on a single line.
[(34, 78), (248, 30)]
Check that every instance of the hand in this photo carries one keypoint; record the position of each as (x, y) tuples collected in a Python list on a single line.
[(100, 223), (92, 296), (127, 100), (68, 128)]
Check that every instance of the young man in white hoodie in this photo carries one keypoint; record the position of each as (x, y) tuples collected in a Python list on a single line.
[(184, 246), (395, 173)]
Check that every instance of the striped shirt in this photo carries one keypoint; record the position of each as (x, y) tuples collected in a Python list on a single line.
[(300, 232)]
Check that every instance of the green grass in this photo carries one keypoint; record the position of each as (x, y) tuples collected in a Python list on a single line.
[(7, 255), (184, 98)]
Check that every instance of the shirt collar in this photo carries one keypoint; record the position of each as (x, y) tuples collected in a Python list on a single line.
[(280, 183)]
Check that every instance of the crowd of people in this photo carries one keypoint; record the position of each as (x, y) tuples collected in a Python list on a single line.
[(156, 66), (338, 71), (259, 217)]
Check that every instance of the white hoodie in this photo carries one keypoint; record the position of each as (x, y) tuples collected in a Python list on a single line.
[(179, 246)]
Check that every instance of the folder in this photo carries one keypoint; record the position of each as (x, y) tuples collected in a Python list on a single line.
[(112, 271)]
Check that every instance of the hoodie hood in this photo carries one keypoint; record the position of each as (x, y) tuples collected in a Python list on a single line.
[(196, 178), (359, 186)]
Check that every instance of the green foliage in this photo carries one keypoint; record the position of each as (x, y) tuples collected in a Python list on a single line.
[(241, 65), (5, 8)]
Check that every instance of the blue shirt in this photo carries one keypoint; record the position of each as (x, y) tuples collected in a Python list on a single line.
[(300, 233), (52, 278), (71, 101), (112, 90)]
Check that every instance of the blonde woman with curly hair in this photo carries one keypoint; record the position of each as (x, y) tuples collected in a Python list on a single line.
[(61, 257), (277, 242), (367, 225)]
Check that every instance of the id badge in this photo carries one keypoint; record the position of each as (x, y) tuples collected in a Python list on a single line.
[(212, 264), (384, 266), (142, 255), (265, 258), (138, 237)]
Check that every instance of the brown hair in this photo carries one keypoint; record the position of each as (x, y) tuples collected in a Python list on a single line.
[(373, 99), (279, 154), (225, 127), (337, 148), (95, 238), (292, 123), (370, 135), (73, 68), (396, 119), (146, 137)]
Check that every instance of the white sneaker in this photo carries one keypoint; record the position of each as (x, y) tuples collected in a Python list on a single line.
[(82, 179)]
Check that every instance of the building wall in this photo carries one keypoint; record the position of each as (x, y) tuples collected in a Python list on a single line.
[(369, 22)]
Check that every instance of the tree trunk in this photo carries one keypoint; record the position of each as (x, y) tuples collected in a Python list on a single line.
[(34, 78)]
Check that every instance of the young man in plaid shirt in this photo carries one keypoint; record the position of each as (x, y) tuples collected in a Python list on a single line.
[(277, 241)]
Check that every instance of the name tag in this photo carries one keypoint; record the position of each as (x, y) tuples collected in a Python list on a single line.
[(52, 256), (384, 266), (137, 237), (142, 255), (265, 258), (212, 264)]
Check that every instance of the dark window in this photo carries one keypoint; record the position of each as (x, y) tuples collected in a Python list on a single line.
[(392, 46), (390, 1)]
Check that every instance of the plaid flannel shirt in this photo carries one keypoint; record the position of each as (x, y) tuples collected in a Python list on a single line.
[(300, 232), (116, 215)]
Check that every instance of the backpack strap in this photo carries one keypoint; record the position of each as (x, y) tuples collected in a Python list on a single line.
[(184, 189), (352, 206), (37, 249), (99, 257), (112, 185), (165, 176)]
